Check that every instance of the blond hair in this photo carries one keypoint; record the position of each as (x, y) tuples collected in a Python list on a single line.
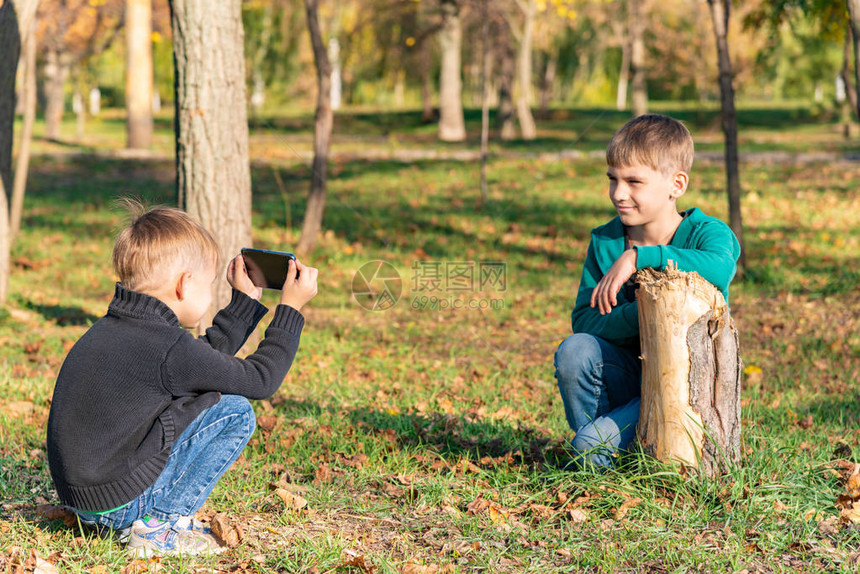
[(662, 143), (157, 241)]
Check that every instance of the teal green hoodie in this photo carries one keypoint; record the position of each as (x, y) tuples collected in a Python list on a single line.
[(702, 243)]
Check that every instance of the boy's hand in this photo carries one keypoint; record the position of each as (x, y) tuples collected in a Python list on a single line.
[(237, 277), (299, 290), (604, 295)]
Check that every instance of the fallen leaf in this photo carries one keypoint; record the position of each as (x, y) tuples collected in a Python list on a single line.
[(477, 506), (267, 422), (625, 507), (52, 512), (230, 534), (498, 515), (577, 515), (356, 560), (291, 501)]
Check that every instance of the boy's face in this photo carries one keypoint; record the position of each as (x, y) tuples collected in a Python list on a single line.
[(197, 296), (644, 196)]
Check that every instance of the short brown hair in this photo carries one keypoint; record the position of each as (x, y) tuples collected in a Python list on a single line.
[(662, 143), (155, 241)]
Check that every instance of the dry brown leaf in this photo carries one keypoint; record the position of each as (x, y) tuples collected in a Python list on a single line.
[(498, 515), (141, 566), (230, 534), (414, 568), (44, 567), (52, 512), (625, 507), (779, 506), (291, 501), (357, 560), (267, 422), (577, 515), (477, 506)]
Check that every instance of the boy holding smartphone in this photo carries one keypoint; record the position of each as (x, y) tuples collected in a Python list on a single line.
[(146, 418)]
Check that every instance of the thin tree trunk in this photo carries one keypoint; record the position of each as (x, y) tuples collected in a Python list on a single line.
[(428, 115), (322, 135), (636, 28), (505, 114), (854, 17), (720, 17), (10, 47), (213, 171), (524, 71), (138, 73), (845, 74), (485, 99), (452, 124), (22, 164), (623, 36), (548, 84), (56, 73)]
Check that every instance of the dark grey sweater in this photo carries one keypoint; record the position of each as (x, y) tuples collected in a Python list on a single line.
[(135, 381)]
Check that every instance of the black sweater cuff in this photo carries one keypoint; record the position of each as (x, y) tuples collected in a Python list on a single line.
[(288, 319)]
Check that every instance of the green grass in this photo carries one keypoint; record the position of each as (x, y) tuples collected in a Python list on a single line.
[(436, 437)]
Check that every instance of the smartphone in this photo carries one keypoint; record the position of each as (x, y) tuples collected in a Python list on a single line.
[(267, 269)]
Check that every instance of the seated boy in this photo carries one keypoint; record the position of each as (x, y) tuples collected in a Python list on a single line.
[(145, 417), (598, 367)]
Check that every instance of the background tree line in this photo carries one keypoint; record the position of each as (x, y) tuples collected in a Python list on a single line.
[(520, 57)]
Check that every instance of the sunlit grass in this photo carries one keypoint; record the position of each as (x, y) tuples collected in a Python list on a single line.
[(437, 437)]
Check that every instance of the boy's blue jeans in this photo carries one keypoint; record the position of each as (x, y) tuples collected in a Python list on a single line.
[(201, 455), (600, 386)]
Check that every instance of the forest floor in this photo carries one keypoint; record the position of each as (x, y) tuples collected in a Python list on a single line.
[(429, 436)]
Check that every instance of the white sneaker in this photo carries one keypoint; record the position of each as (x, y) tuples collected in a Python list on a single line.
[(152, 537)]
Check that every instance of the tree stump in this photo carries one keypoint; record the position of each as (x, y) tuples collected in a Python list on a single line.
[(691, 372)]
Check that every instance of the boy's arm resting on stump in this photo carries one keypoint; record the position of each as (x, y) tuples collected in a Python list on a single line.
[(620, 327), (714, 256)]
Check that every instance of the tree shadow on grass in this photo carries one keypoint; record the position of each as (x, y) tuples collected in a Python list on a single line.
[(483, 442), (62, 315)]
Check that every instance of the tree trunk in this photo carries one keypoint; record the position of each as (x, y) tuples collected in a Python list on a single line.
[(854, 17), (452, 124), (213, 172), (428, 115), (138, 73), (636, 28), (56, 73), (548, 84), (22, 164), (623, 36), (322, 135), (524, 71), (10, 47), (691, 372), (845, 74), (505, 114), (486, 60), (720, 17)]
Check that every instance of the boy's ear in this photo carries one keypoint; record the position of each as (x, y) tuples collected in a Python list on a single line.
[(182, 285), (679, 184)]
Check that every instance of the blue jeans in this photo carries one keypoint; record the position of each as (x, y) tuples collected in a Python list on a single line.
[(600, 386), (201, 455)]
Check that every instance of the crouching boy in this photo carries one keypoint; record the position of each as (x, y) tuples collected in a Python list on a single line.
[(146, 418)]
